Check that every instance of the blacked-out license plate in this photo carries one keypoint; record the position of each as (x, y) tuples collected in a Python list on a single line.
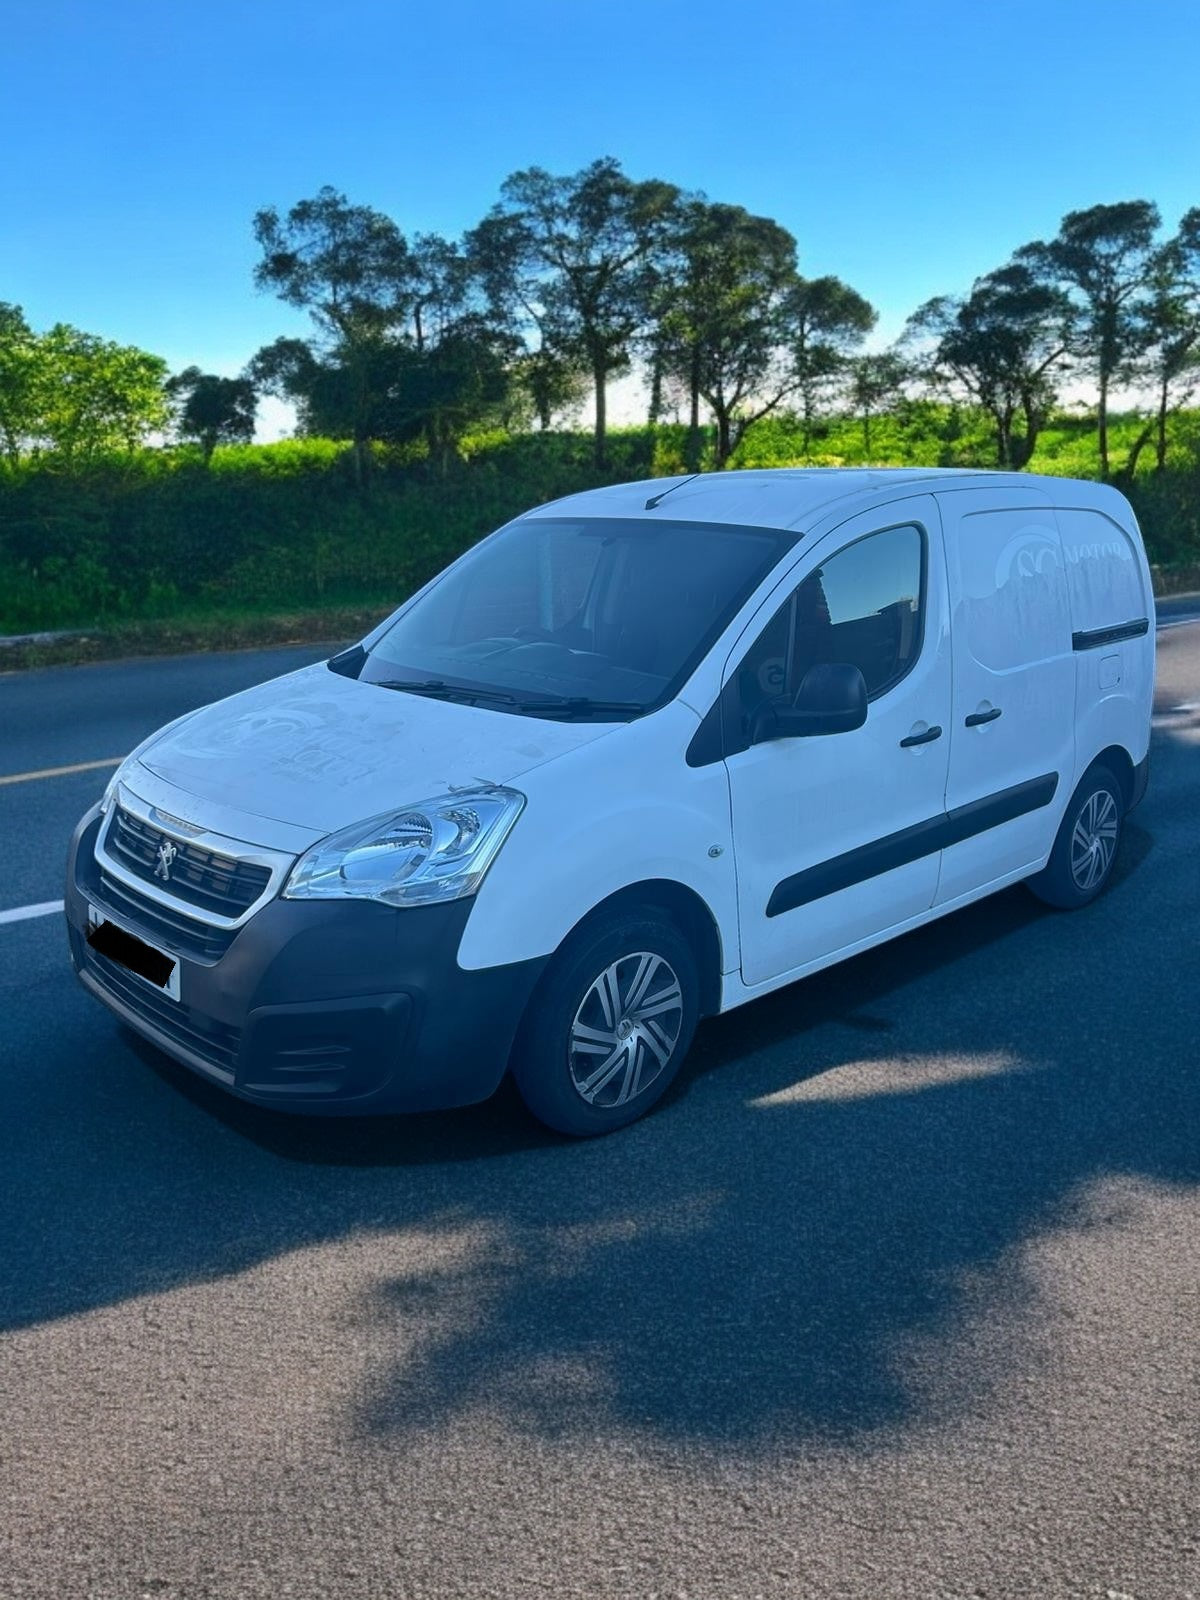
[(134, 954)]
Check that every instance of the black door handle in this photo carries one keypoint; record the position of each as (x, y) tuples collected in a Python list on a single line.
[(927, 737), (978, 718)]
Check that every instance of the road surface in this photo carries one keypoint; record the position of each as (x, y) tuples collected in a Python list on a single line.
[(898, 1294)]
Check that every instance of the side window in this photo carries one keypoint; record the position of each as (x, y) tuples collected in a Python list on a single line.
[(863, 605), (1013, 598), (1104, 580)]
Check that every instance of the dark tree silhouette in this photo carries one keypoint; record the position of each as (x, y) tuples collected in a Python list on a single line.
[(1002, 346), (583, 254), (213, 410)]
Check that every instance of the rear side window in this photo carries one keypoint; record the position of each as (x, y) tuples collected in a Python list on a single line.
[(863, 605), (1104, 580), (1013, 593)]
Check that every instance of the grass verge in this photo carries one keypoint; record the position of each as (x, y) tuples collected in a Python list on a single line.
[(191, 635), (1175, 580)]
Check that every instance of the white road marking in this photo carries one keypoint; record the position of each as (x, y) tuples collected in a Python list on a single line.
[(46, 908), (61, 772), (1169, 713), (1176, 622)]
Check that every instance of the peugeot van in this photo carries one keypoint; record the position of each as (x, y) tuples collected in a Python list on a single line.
[(641, 756)]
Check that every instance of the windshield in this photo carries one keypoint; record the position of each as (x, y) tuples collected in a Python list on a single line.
[(574, 617)]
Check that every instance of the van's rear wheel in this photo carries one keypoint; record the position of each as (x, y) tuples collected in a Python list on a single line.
[(1085, 849), (609, 1025)]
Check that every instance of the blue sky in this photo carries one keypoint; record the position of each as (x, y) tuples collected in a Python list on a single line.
[(909, 146)]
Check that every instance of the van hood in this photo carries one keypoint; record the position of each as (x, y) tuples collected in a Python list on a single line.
[(317, 751)]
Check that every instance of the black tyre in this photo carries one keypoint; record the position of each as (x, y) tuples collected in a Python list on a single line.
[(1081, 862), (609, 1024)]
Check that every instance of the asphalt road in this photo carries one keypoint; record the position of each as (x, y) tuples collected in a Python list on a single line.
[(898, 1294)]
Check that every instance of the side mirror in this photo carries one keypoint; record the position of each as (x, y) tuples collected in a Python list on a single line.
[(832, 698)]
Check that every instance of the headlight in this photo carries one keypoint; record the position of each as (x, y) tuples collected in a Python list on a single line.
[(433, 851)]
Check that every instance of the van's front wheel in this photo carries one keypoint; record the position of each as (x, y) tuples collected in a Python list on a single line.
[(609, 1025), (1081, 862)]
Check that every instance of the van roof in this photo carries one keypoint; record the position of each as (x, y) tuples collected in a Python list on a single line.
[(775, 497)]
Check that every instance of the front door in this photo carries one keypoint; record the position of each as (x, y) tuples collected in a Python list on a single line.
[(836, 836)]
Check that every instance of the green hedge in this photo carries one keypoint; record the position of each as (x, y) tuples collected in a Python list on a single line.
[(156, 534)]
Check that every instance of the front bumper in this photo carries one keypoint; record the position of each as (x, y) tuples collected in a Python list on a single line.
[(326, 1007)]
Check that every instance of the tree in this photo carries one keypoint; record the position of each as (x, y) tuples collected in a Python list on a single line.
[(337, 396), (446, 388), (76, 394), (826, 321), (874, 380), (21, 382), (350, 268), (213, 410), (1171, 327), (402, 346), (552, 382), (552, 366), (581, 252), (738, 328), (722, 324), (1001, 345), (1104, 257), (288, 369), (457, 367), (441, 285)]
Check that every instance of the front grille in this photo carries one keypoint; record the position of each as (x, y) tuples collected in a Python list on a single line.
[(206, 880), (214, 1042), (160, 924)]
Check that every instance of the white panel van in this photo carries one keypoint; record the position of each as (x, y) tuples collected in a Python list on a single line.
[(641, 756)]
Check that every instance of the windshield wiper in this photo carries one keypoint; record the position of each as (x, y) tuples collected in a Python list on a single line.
[(450, 691), (563, 709)]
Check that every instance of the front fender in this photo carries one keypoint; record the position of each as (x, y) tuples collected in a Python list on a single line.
[(599, 819)]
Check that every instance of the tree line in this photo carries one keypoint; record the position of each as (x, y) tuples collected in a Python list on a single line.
[(571, 280)]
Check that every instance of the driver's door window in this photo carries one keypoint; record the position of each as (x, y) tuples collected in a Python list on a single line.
[(862, 606)]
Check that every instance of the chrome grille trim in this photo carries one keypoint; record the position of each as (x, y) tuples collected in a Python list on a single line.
[(209, 880), (276, 863), (148, 919)]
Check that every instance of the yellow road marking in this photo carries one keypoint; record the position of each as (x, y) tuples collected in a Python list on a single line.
[(61, 772)]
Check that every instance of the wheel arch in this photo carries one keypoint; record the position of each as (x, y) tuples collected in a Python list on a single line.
[(1120, 763), (688, 910)]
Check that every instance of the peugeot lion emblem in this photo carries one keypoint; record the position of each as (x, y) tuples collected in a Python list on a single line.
[(166, 854)]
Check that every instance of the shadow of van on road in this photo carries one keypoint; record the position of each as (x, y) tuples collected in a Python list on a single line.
[(846, 1167)]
